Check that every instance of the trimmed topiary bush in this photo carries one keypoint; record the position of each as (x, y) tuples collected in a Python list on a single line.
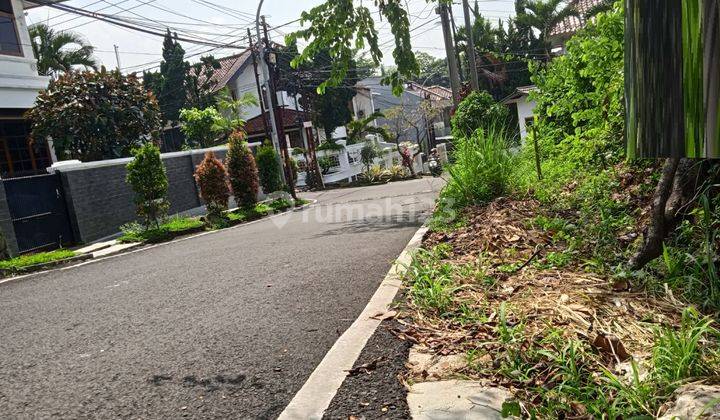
[(211, 177), (242, 170), (269, 169), (146, 175)]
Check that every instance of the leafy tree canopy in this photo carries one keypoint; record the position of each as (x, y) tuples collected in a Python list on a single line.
[(478, 110), (340, 29), (328, 109), (95, 115), (433, 70)]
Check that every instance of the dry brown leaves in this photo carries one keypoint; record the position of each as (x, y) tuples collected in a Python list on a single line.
[(580, 304)]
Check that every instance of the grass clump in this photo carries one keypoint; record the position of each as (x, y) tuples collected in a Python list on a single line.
[(560, 377), (24, 261), (482, 169)]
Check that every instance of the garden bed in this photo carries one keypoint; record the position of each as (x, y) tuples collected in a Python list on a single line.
[(504, 291), (181, 226), (39, 261)]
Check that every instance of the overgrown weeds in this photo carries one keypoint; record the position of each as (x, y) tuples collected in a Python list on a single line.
[(482, 169)]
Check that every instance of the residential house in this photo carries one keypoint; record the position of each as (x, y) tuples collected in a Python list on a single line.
[(237, 73), (372, 96), (20, 154), (521, 106), (564, 30), (519, 101)]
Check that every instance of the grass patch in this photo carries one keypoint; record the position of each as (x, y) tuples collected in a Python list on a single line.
[(134, 232), (18, 263)]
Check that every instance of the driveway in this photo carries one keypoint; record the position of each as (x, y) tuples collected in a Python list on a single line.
[(228, 324)]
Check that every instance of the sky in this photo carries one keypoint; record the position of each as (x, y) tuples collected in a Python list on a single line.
[(226, 21)]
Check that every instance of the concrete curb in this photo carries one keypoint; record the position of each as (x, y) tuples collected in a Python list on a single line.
[(318, 391)]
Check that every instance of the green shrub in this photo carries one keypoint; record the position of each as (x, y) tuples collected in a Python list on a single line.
[(269, 169), (477, 110), (330, 145), (482, 169), (368, 153), (326, 163), (146, 175), (95, 115), (211, 178), (242, 170)]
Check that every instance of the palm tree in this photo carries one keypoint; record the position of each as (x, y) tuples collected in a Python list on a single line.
[(544, 15), (358, 129), (54, 53)]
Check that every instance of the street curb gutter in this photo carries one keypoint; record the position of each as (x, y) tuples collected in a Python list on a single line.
[(316, 394)]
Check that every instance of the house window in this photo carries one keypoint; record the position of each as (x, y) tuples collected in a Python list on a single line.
[(20, 154), (9, 40)]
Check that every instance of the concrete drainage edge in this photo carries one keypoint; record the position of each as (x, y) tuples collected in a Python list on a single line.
[(318, 391)]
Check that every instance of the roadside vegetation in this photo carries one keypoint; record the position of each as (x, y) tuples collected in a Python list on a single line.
[(18, 264), (528, 272)]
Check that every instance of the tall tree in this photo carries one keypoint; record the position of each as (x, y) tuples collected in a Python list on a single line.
[(58, 52), (544, 15), (330, 108), (433, 70), (173, 69), (201, 84)]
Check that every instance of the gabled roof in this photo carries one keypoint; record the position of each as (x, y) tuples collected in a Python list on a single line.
[(229, 66), (572, 24)]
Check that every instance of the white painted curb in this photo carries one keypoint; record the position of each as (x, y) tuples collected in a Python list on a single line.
[(315, 396)]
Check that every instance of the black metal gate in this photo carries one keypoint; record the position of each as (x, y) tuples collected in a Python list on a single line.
[(38, 211)]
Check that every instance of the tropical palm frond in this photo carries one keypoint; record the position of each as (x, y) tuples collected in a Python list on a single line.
[(58, 52)]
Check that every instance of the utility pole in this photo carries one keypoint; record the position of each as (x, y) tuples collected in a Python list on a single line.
[(442, 10), (263, 67), (472, 60), (261, 99), (278, 112), (117, 57)]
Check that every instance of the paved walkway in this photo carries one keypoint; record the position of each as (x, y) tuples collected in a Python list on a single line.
[(225, 325)]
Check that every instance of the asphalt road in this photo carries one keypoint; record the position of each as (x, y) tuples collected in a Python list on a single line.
[(224, 325)]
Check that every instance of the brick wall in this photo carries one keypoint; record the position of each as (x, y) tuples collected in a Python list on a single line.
[(100, 201)]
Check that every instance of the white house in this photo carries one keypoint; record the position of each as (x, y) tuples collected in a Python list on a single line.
[(519, 102), (373, 96), (237, 73), (20, 83)]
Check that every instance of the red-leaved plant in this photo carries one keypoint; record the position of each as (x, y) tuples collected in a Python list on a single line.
[(211, 177)]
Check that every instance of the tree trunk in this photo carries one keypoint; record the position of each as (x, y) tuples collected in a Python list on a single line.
[(659, 226)]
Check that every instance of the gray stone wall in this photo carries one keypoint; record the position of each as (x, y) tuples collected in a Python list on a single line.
[(100, 201)]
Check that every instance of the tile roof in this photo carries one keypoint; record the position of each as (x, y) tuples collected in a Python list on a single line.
[(255, 125), (434, 92), (228, 67), (572, 24)]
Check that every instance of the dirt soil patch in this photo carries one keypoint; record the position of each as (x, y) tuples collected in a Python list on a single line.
[(372, 389)]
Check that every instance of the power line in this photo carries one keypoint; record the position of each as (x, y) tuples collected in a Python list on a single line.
[(115, 21)]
